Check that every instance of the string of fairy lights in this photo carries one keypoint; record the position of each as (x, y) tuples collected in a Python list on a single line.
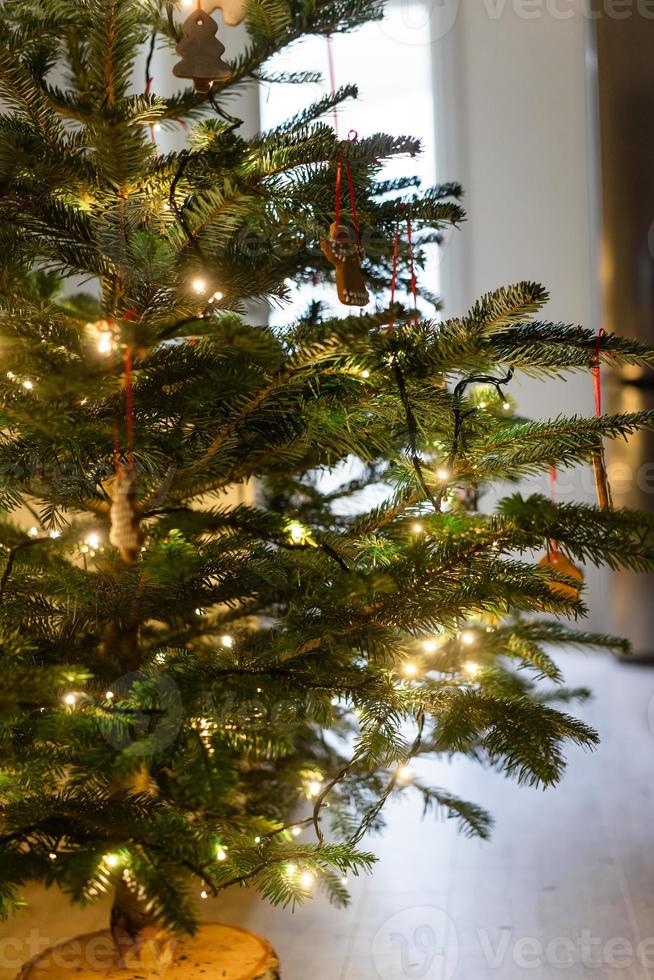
[(105, 337)]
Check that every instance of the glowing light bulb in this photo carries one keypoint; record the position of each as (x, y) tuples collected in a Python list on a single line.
[(468, 637), (11, 375), (507, 406), (257, 840), (204, 893), (344, 880), (409, 669), (365, 374), (291, 869), (70, 699), (93, 540), (216, 297), (221, 853), (52, 856), (157, 127), (55, 534), (429, 646), (296, 532), (109, 695), (417, 528), (27, 384), (105, 343), (199, 286), (314, 788), (227, 641), (442, 474), (307, 879), (471, 668), (111, 860), (33, 532), (482, 404), (188, 3), (296, 831), (405, 773)]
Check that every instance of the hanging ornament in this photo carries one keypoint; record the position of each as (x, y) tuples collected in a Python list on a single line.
[(345, 255), (125, 532), (201, 52), (558, 562)]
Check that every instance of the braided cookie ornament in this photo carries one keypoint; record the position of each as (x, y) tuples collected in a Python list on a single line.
[(345, 255), (125, 532), (233, 10), (201, 52)]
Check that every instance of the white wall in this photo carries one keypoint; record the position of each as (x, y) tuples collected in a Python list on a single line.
[(517, 127)]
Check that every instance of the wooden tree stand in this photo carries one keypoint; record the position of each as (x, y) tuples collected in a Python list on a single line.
[(215, 952)]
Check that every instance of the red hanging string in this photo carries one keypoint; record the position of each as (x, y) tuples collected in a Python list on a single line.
[(353, 203), (396, 251), (414, 282), (337, 206), (129, 407), (596, 372), (332, 76)]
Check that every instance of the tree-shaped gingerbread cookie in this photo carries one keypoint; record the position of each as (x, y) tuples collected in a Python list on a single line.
[(201, 52), (345, 255)]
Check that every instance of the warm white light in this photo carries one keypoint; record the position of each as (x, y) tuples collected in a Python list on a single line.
[(471, 668), (204, 894), (429, 646), (482, 404), (442, 474), (27, 384), (105, 343), (227, 641), (216, 297), (405, 773), (55, 534), (157, 127), (111, 860), (468, 637), (52, 856), (344, 880), (296, 831), (291, 869), (221, 853), (70, 700), (365, 374), (33, 532), (507, 406), (109, 695), (314, 788), (93, 540), (296, 532), (307, 879), (199, 286), (417, 528), (257, 840), (409, 669), (188, 3)]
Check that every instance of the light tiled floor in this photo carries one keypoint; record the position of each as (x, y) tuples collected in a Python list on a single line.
[(564, 889)]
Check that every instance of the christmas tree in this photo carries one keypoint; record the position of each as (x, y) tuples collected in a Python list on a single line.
[(190, 678)]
